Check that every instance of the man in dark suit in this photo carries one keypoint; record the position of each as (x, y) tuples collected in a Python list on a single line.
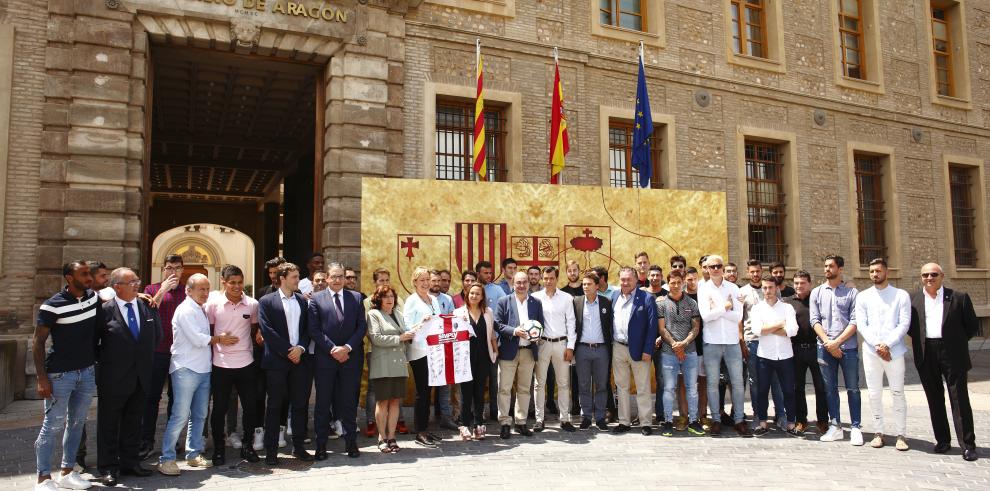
[(516, 354), (593, 350), (286, 365), (635, 335), (337, 325), (128, 334), (942, 323)]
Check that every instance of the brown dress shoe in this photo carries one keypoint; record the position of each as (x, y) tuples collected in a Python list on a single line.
[(715, 429), (743, 430), (822, 427), (800, 427)]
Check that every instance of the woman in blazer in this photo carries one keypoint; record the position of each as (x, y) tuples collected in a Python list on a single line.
[(484, 352), (387, 368)]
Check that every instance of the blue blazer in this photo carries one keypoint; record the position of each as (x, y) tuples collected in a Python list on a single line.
[(643, 324), (275, 330), (506, 321), (327, 332)]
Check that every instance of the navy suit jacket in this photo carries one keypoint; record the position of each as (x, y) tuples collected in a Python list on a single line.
[(507, 320), (123, 360), (328, 332), (643, 326), (275, 330)]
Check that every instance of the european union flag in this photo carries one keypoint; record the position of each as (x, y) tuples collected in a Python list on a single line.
[(643, 130)]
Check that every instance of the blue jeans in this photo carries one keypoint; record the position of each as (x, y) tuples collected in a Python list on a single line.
[(830, 375), (771, 371), (65, 410), (732, 353), (192, 401), (671, 365), (754, 382)]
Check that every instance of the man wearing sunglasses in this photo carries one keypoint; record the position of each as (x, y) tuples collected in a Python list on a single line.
[(718, 301)]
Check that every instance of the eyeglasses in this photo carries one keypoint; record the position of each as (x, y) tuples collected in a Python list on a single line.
[(676, 266), (336, 277), (135, 283), (172, 268), (929, 275), (714, 266), (351, 277)]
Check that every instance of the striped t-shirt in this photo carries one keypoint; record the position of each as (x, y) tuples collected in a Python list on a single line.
[(72, 322)]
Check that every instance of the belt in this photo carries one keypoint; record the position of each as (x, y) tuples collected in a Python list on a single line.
[(592, 345), (806, 345), (554, 340), (622, 343)]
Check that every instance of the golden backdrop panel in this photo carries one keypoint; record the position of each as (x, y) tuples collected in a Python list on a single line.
[(452, 225)]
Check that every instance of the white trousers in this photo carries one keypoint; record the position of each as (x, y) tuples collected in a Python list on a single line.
[(553, 353), (875, 367)]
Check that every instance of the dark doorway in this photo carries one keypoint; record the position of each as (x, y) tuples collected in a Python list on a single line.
[(233, 142)]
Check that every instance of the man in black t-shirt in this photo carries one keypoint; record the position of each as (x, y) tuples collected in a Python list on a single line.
[(66, 374), (806, 356)]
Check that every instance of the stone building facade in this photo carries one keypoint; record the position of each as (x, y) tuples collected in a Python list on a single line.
[(74, 145)]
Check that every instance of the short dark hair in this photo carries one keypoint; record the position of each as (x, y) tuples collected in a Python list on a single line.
[(641, 254), (314, 255), (71, 267), (656, 267), (591, 275), (678, 259), (445, 271), (803, 274), (173, 258), (348, 268), (434, 272), (284, 269), (839, 261), (532, 267), (675, 273), (701, 262), (507, 261), (769, 277), (94, 265), (230, 270), (550, 269), (778, 264), (274, 262), (754, 262), (378, 272), (468, 272), (879, 260), (690, 270), (380, 292), (731, 264), (602, 272), (483, 264)]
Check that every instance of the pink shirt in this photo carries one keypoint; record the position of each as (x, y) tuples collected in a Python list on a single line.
[(236, 320)]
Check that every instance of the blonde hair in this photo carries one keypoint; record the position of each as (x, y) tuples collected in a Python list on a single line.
[(419, 272), (713, 258)]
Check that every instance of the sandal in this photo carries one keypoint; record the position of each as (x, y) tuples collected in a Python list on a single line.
[(479, 432), (465, 433), (384, 447), (393, 446)]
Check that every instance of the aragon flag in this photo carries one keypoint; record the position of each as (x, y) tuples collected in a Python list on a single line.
[(480, 155), (559, 145)]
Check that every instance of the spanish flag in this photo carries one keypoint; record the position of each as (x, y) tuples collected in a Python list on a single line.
[(559, 145), (480, 160)]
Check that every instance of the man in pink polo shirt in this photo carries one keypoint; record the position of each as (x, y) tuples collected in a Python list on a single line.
[(236, 314)]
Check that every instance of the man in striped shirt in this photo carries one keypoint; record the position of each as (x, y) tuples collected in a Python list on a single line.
[(66, 374)]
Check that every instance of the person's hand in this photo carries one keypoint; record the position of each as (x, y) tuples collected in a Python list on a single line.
[(568, 355), (728, 303), (745, 350), (679, 352), (656, 344), (340, 354), (647, 357), (520, 332), (259, 339), (225, 339), (148, 299), (835, 350), (44, 387), (171, 282), (407, 336), (308, 296), (427, 317), (884, 351), (295, 354)]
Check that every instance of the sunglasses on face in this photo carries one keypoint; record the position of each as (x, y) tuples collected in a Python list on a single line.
[(929, 275), (715, 266)]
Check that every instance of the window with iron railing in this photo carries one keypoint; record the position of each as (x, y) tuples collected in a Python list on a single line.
[(765, 202), (454, 142), (870, 208), (620, 171), (963, 215)]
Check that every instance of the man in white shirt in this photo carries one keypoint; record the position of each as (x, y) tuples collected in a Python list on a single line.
[(192, 349), (635, 331), (718, 301), (314, 264), (772, 323), (883, 315), (556, 347)]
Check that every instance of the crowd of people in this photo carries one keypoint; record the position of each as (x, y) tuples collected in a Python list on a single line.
[(694, 333)]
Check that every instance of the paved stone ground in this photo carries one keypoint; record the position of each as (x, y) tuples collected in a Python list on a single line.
[(583, 459)]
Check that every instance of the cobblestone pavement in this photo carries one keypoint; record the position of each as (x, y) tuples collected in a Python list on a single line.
[(584, 459)]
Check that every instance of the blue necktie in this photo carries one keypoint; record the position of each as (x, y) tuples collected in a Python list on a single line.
[(132, 321)]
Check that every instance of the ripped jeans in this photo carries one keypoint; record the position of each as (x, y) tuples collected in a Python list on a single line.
[(65, 411)]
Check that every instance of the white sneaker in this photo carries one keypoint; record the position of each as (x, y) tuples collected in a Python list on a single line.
[(73, 480), (234, 440), (856, 437), (339, 428), (288, 428), (834, 434), (46, 485), (281, 437), (259, 439)]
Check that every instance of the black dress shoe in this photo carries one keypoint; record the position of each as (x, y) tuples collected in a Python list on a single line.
[(647, 431), (970, 455), (352, 450), (271, 458), (248, 454), (219, 457), (321, 451), (942, 447), (539, 426), (585, 423), (110, 478), (523, 430), (301, 454), (602, 424), (137, 470), (146, 450), (620, 429), (505, 434), (568, 427)]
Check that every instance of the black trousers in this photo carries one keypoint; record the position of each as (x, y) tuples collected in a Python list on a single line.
[(118, 428), (805, 359), (937, 366), (221, 382), (421, 409), (335, 388), (285, 386), (473, 392), (575, 393), (159, 378)]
